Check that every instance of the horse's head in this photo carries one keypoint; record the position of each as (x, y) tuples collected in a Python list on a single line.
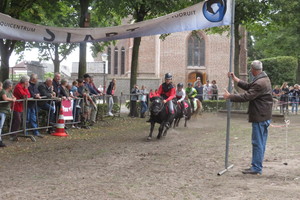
[(156, 105)]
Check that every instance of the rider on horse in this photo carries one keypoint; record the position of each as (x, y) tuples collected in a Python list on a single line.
[(167, 92), (180, 96), (191, 94)]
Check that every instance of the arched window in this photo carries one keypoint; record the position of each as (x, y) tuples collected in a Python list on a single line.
[(122, 61), (116, 61), (196, 51), (109, 60)]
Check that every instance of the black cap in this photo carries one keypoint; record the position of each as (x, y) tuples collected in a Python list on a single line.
[(86, 76), (80, 80)]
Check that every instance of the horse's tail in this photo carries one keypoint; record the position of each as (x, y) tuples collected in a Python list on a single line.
[(199, 107)]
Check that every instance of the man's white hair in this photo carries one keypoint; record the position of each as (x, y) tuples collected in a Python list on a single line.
[(257, 65), (33, 76)]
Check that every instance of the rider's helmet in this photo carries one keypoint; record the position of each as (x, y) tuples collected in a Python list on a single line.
[(168, 76), (190, 84), (180, 85)]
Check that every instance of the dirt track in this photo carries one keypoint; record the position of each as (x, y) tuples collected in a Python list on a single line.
[(114, 161)]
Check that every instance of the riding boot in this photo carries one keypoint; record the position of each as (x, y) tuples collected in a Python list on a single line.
[(184, 113), (169, 122), (192, 106)]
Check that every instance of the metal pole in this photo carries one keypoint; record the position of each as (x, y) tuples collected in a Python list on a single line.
[(104, 80), (228, 103)]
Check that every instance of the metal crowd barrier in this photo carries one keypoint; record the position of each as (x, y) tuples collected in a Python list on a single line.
[(24, 127)]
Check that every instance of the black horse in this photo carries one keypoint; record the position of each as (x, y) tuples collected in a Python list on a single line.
[(183, 111), (159, 114)]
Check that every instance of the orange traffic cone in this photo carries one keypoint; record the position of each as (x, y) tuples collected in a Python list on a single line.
[(60, 125)]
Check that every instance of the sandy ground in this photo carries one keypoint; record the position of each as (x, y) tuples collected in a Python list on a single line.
[(113, 160)]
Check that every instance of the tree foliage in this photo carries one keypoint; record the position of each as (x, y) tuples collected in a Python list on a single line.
[(17, 9), (281, 69), (279, 35)]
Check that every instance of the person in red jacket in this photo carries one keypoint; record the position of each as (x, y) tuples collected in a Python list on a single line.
[(20, 92), (168, 92)]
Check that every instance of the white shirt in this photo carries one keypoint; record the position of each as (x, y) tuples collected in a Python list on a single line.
[(180, 94)]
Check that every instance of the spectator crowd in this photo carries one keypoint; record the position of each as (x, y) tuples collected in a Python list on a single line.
[(285, 96), (47, 96)]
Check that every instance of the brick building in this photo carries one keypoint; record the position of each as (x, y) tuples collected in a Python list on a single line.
[(186, 55)]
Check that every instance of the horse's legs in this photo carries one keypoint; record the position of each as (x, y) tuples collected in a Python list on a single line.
[(177, 124), (165, 132), (185, 120), (151, 131), (160, 130)]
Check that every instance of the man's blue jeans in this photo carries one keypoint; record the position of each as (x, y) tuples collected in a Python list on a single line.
[(259, 140), (2, 120), (32, 119), (295, 102), (50, 109), (143, 107)]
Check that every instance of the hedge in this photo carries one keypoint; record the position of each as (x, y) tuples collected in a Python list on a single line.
[(216, 105)]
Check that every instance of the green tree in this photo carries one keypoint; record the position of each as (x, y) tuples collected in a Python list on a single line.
[(59, 14), (249, 14), (281, 69), (16, 9), (280, 35), (62, 14), (48, 75)]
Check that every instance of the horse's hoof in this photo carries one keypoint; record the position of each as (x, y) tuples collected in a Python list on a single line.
[(149, 138)]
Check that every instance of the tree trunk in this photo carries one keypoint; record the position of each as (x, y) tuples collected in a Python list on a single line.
[(135, 60), (134, 65), (236, 58), (236, 50), (139, 16), (82, 60), (84, 4), (56, 59), (4, 72), (5, 50)]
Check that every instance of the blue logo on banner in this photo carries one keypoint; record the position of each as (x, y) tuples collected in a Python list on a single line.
[(214, 10)]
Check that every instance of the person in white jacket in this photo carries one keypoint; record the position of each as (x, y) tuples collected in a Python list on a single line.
[(180, 96)]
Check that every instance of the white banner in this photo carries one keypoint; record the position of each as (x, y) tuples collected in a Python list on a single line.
[(203, 15)]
